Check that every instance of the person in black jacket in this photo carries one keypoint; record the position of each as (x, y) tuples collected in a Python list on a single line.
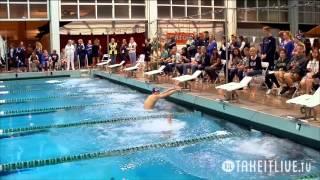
[(254, 67), (147, 52), (279, 69), (215, 66), (268, 47), (20, 55), (296, 69), (54, 58), (81, 50), (171, 43), (204, 60), (89, 52)]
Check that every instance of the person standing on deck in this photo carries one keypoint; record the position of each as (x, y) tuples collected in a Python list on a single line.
[(81, 50), (123, 50), (268, 47), (96, 52), (132, 51), (113, 51), (70, 49), (89, 52)]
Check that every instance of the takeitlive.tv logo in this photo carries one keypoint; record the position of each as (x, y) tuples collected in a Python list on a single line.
[(266, 166)]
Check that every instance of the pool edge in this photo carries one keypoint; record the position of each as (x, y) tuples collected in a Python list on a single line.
[(38, 75)]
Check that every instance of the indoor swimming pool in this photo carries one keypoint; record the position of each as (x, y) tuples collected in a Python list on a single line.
[(91, 128)]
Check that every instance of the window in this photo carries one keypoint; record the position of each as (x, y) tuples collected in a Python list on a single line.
[(87, 12), (121, 1), (178, 2), (3, 11), (18, 11), (166, 2), (206, 3), (85, 1), (262, 3), (192, 2), (178, 12), (104, 1), (283, 16), (274, 16), (283, 2), (251, 15), (104, 11), (219, 13), (38, 11), (241, 14), (138, 12), (69, 12), (218, 2), (263, 15), (138, 1), (121, 11), (241, 3), (251, 3), (68, 1), (273, 3), (194, 12), (18, 1), (164, 11), (206, 13)]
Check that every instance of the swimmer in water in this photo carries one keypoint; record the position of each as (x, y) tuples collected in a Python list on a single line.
[(156, 95)]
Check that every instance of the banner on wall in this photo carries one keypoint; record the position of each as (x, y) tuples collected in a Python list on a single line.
[(181, 37)]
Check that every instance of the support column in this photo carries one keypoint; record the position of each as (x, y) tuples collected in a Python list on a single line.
[(293, 16), (152, 16), (231, 16), (54, 25)]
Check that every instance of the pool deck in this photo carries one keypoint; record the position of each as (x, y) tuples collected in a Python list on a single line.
[(255, 109)]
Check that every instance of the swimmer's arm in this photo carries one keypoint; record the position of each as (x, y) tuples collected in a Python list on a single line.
[(168, 92)]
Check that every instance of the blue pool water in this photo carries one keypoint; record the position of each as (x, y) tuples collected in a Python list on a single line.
[(199, 161)]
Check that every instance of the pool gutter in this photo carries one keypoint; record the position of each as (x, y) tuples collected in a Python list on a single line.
[(283, 127)]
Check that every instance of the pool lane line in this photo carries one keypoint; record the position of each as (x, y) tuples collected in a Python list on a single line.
[(22, 91), (116, 152), (35, 99), (12, 85), (43, 79), (5, 133), (51, 109)]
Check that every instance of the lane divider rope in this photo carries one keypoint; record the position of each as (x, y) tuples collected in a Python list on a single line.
[(21, 91), (12, 85), (50, 109), (17, 131), (116, 152), (35, 99)]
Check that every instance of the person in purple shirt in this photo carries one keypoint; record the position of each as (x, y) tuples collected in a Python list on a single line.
[(287, 43), (44, 60), (212, 45)]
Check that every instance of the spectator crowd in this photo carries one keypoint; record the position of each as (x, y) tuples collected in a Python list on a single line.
[(287, 64)]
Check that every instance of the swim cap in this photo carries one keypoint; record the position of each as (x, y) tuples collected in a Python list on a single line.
[(155, 90)]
